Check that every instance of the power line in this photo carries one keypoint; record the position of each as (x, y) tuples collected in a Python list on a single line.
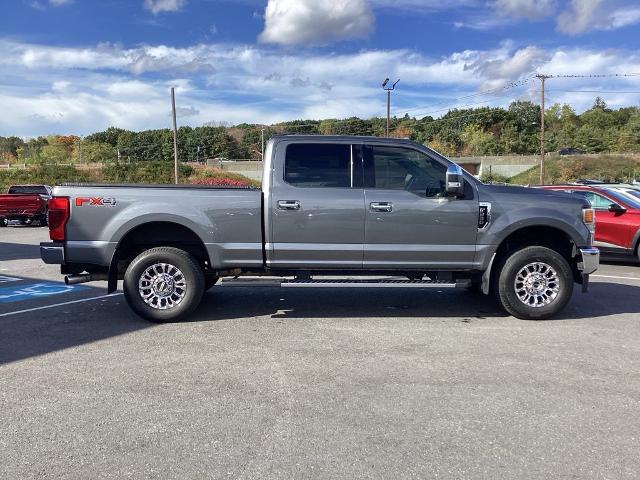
[(603, 75), (517, 83), (593, 91), (458, 106)]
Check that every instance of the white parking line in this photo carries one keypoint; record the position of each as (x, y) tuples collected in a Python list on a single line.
[(5, 279), (613, 276), (59, 304)]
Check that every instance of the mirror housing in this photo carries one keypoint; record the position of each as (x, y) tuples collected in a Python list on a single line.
[(616, 208), (454, 181)]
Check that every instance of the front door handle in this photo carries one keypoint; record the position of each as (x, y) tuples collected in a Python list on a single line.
[(289, 204), (381, 206)]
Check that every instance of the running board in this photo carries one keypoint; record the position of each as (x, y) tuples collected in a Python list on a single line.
[(387, 283)]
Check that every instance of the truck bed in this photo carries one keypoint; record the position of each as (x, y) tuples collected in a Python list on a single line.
[(182, 186), (228, 220), (17, 204)]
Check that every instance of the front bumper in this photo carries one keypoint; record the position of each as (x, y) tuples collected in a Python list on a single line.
[(590, 260), (52, 253)]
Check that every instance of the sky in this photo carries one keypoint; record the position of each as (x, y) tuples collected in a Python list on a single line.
[(80, 66)]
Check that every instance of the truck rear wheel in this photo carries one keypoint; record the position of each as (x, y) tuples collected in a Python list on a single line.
[(534, 283), (4, 222), (164, 284)]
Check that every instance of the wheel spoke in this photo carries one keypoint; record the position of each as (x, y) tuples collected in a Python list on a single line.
[(537, 284), (162, 286)]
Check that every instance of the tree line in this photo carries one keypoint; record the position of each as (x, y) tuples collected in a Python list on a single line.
[(471, 131)]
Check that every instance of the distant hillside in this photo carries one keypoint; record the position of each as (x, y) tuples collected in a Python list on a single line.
[(460, 132), (560, 169)]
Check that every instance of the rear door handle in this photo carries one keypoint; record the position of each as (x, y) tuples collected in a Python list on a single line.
[(381, 206), (289, 204)]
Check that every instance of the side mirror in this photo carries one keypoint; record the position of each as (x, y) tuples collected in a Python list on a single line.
[(454, 181), (616, 208)]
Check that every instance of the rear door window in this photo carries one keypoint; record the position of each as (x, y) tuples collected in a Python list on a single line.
[(318, 165)]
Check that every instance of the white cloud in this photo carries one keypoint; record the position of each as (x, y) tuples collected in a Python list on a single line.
[(315, 22), (159, 6), (624, 17), (81, 90), (61, 86), (500, 68), (585, 15), (58, 3), (581, 16), (529, 9), (424, 5)]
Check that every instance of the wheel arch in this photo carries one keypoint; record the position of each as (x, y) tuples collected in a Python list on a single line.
[(155, 234), (548, 236)]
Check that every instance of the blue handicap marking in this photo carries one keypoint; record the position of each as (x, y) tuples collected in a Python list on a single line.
[(35, 290)]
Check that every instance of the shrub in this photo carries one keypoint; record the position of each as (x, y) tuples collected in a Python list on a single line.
[(216, 176), (144, 172), (220, 182), (493, 178), (42, 174)]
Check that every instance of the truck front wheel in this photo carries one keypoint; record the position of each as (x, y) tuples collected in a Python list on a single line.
[(164, 284), (534, 283)]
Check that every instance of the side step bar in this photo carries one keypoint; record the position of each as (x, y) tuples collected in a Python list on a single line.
[(382, 283)]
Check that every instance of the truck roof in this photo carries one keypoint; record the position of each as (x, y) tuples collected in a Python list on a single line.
[(361, 138)]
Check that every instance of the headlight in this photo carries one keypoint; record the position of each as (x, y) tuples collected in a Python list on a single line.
[(589, 219)]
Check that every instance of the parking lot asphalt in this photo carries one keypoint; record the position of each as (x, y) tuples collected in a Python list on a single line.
[(314, 383)]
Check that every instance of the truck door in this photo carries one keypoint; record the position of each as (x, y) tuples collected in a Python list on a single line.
[(410, 222), (316, 214)]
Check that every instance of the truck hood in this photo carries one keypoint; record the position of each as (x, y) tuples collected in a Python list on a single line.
[(532, 192)]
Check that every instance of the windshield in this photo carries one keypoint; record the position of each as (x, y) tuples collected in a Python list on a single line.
[(624, 197), (629, 191)]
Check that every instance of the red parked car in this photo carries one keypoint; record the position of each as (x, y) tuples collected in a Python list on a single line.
[(25, 203), (617, 217)]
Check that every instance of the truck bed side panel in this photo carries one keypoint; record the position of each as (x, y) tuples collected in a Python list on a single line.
[(227, 221)]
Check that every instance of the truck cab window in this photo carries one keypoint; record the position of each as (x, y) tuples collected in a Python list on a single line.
[(397, 168), (318, 165)]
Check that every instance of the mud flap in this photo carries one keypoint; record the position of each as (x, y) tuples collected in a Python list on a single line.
[(585, 282)]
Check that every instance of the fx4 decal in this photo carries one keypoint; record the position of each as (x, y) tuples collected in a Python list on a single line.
[(95, 202)]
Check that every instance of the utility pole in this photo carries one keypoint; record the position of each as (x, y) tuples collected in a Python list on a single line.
[(175, 133), (389, 90), (79, 150), (262, 140), (542, 80)]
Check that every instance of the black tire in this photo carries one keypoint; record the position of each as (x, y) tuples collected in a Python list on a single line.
[(555, 285), (177, 302), (4, 222), (43, 221)]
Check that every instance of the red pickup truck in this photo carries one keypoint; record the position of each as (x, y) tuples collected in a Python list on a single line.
[(25, 203)]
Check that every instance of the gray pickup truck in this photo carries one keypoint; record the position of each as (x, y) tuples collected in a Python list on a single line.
[(334, 212)]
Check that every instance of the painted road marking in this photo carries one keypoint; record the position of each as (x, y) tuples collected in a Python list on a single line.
[(35, 290), (4, 279), (613, 276), (59, 304)]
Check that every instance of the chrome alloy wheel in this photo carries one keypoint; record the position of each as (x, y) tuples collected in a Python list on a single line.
[(537, 284), (162, 286)]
